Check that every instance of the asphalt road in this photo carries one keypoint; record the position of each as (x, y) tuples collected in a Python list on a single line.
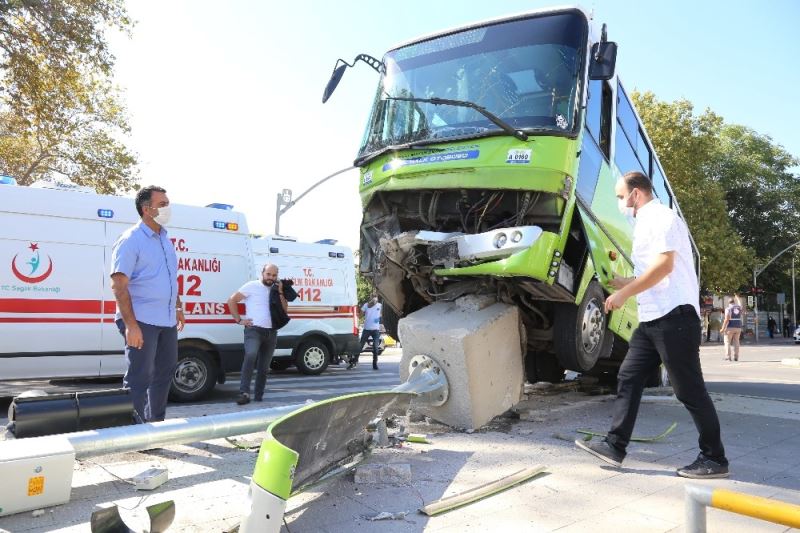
[(758, 373), (285, 387)]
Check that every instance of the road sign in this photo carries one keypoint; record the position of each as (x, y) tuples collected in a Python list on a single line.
[(750, 301), (781, 298)]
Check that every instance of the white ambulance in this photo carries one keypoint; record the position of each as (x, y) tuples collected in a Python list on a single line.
[(57, 308)]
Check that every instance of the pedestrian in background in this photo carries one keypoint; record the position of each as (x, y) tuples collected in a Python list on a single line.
[(667, 293), (732, 328), (144, 281), (771, 326), (372, 328), (267, 311)]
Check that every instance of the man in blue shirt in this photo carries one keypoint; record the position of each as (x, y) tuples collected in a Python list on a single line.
[(149, 312)]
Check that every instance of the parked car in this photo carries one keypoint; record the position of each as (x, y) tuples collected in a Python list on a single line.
[(797, 335)]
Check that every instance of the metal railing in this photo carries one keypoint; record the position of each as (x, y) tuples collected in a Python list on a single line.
[(699, 497)]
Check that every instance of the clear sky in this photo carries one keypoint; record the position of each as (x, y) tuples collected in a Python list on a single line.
[(225, 97)]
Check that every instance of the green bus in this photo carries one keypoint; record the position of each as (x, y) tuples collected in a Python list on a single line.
[(488, 165)]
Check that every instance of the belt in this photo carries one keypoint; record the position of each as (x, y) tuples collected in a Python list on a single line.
[(681, 310)]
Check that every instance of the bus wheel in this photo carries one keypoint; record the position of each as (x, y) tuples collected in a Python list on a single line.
[(280, 364), (195, 375), (581, 336), (312, 357)]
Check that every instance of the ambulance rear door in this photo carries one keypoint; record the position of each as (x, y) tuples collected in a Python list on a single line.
[(319, 275), (51, 281)]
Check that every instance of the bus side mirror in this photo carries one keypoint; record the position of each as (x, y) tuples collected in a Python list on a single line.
[(604, 58), (336, 77)]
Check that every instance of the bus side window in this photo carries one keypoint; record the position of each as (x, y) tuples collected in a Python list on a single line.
[(643, 152), (660, 186), (598, 114), (593, 109), (605, 121), (625, 153)]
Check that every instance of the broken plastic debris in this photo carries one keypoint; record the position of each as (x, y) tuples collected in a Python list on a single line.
[(418, 438), (388, 516), (483, 491), (666, 432)]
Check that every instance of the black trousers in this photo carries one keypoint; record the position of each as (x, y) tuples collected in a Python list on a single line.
[(673, 340), (376, 341)]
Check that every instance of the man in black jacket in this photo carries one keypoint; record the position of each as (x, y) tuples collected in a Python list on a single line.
[(267, 311)]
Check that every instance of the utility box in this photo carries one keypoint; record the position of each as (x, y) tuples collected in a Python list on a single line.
[(35, 473)]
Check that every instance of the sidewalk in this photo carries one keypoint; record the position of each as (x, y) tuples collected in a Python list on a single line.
[(209, 481)]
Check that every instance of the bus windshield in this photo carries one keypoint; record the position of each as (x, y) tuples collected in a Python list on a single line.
[(525, 71)]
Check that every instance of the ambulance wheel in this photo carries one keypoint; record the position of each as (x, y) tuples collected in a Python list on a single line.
[(195, 375), (312, 357), (581, 336), (280, 364)]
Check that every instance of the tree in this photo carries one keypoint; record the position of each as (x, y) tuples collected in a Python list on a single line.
[(688, 147), (364, 288), (60, 114), (762, 193)]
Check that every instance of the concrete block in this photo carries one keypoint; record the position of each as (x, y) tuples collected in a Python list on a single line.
[(383, 473), (475, 302), (479, 350)]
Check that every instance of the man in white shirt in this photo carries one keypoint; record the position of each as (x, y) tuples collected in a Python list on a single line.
[(372, 328), (260, 336), (667, 293)]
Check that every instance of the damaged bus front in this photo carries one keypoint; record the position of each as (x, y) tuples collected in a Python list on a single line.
[(487, 167)]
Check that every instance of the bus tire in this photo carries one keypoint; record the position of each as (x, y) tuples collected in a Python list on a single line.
[(195, 375), (280, 364), (581, 336), (312, 357)]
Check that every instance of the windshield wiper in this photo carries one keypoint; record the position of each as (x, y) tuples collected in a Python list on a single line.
[(497, 121)]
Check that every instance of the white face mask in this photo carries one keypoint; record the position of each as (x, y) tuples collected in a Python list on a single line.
[(163, 216), (623, 207)]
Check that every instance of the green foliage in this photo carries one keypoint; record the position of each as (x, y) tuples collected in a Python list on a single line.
[(688, 147), (763, 196), (59, 112), (364, 288)]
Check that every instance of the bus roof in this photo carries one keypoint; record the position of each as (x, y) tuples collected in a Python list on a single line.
[(495, 20), (65, 203)]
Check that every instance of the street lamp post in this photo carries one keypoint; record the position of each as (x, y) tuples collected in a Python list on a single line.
[(757, 271), (794, 300), (285, 202)]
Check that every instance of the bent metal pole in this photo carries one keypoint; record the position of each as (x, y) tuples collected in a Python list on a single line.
[(173, 431), (29, 465)]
